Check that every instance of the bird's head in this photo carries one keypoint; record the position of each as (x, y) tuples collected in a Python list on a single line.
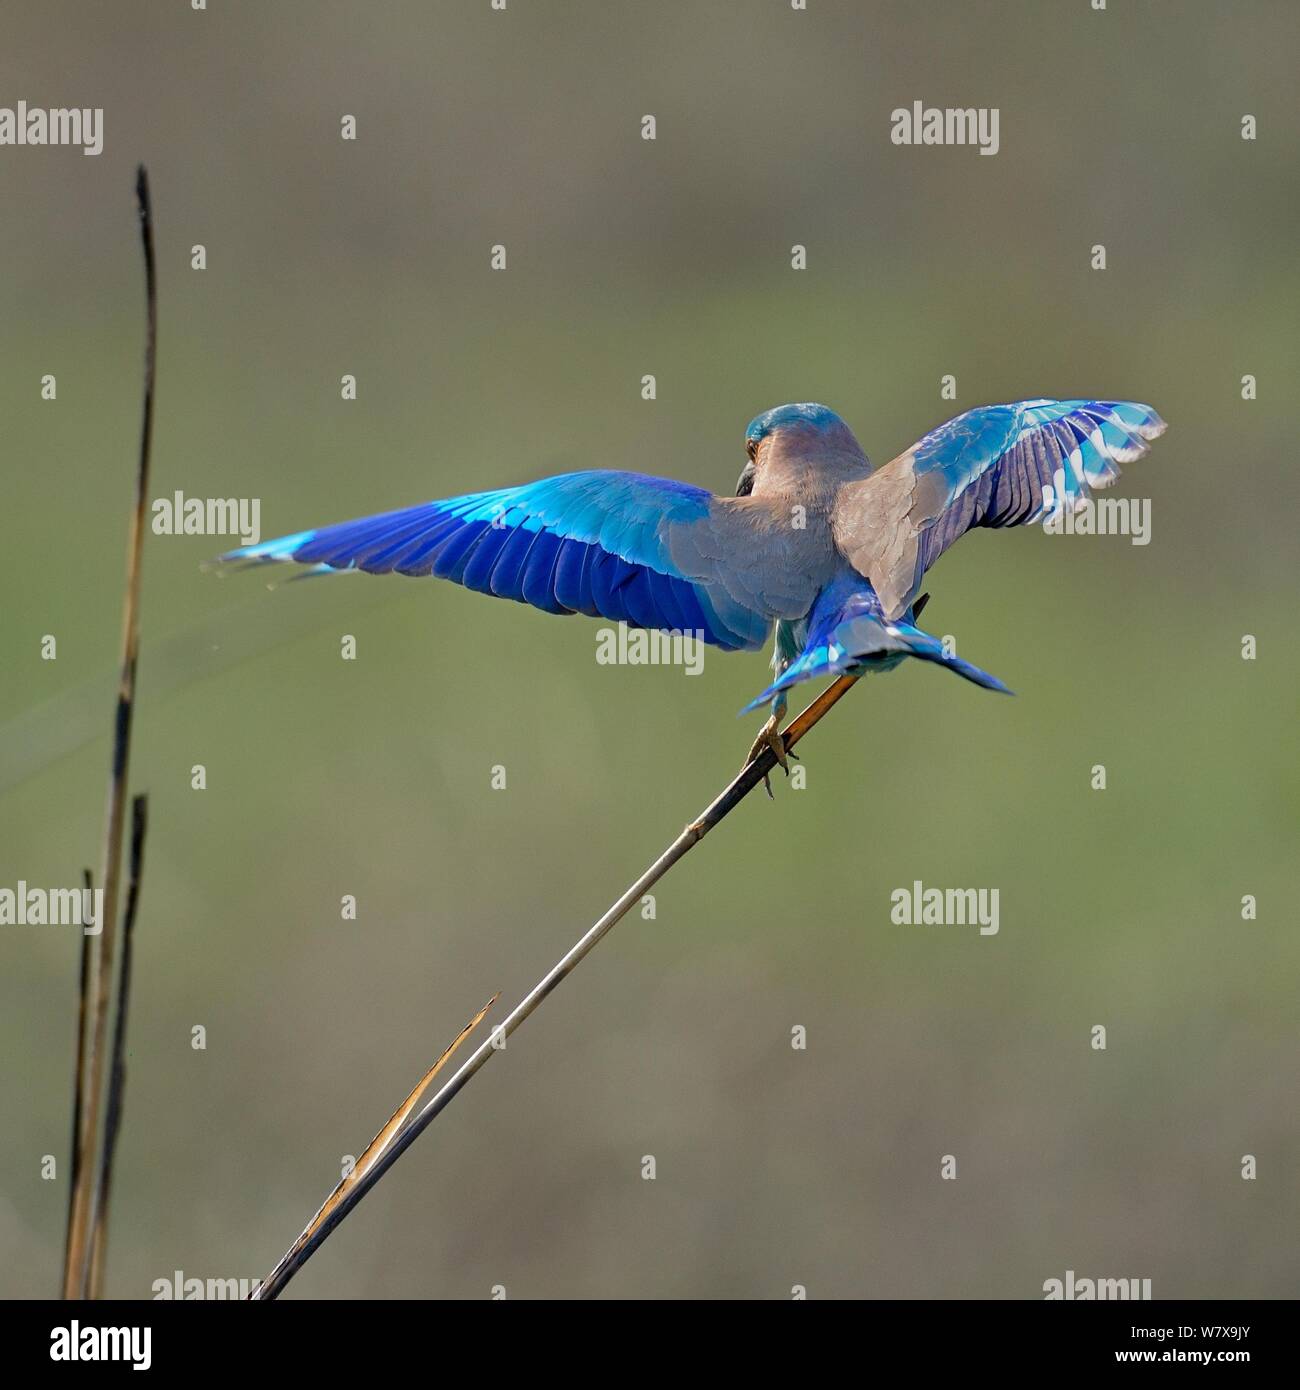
[(804, 433)]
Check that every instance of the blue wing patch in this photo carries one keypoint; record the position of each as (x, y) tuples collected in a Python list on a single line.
[(595, 542), (996, 465), (1004, 465)]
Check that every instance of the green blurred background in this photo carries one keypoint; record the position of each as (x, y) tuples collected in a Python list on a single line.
[(776, 1167)]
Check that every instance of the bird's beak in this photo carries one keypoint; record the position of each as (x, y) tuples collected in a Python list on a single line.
[(745, 483)]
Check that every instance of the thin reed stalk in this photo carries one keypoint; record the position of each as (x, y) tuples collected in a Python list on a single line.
[(79, 1066), (83, 1219), (117, 1074), (328, 1218)]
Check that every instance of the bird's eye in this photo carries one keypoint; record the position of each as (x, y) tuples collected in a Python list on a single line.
[(751, 447)]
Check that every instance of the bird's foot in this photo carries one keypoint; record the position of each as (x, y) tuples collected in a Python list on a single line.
[(770, 736)]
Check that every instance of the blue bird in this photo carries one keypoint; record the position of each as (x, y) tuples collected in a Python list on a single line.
[(814, 540)]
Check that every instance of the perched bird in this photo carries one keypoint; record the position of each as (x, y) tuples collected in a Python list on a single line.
[(814, 540)]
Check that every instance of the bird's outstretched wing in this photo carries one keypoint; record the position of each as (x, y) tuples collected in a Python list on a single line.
[(988, 467), (647, 551)]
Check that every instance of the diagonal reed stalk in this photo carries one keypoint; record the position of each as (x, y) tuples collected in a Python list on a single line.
[(90, 1081), (329, 1216), (345, 1195)]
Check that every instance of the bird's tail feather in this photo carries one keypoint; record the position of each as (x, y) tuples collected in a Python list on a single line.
[(848, 634), (929, 648)]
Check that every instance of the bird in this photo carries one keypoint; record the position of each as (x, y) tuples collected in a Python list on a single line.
[(814, 544)]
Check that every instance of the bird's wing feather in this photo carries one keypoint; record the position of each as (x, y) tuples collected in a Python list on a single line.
[(988, 467), (647, 551)]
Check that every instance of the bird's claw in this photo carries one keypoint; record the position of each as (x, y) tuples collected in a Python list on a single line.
[(770, 736)]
